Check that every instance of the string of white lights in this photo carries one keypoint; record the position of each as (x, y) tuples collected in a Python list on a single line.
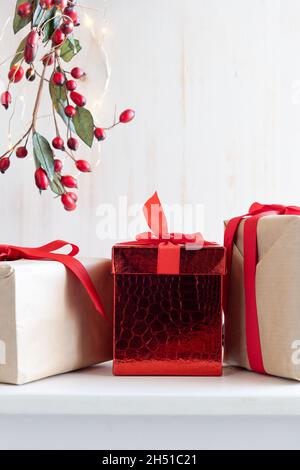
[(92, 25), (100, 40)]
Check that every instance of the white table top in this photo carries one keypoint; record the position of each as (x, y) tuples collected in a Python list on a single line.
[(96, 392)]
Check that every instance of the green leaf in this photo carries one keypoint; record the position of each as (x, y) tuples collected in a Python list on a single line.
[(43, 154), (57, 92), (38, 15), (47, 20), (19, 23), (61, 111), (19, 53), (69, 49), (59, 99), (84, 125), (56, 185), (51, 26)]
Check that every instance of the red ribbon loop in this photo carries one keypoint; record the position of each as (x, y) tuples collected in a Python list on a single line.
[(47, 252), (256, 211), (278, 209), (5, 252)]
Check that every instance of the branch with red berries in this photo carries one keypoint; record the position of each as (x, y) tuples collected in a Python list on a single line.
[(52, 24)]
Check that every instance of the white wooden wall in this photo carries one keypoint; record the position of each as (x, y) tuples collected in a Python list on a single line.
[(216, 88)]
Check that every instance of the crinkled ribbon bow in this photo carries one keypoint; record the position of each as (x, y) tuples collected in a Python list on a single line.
[(47, 252), (168, 261)]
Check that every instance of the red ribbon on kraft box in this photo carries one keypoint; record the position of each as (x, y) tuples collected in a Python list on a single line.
[(256, 212), (46, 253), (168, 244)]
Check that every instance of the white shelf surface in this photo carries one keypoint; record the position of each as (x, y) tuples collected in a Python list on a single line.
[(95, 392)]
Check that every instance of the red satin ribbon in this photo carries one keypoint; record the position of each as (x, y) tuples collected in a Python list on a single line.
[(45, 252), (256, 211), (168, 261)]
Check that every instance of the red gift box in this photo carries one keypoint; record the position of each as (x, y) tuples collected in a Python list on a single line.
[(167, 304)]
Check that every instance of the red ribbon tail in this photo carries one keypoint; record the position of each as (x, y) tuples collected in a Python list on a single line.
[(252, 324), (250, 261), (229, 237)]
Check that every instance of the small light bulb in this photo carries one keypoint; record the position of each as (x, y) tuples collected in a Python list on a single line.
[(10, 144), (88, 21)]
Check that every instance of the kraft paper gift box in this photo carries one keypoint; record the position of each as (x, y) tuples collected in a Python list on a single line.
[(167, 307), (48, 324), (262, 314)]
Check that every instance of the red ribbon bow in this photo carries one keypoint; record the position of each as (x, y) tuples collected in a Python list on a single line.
[(45, 252), (255, 213), (168, 261)]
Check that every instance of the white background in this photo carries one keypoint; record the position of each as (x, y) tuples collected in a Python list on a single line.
[(216, 88)]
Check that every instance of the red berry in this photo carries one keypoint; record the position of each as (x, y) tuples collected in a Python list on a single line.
[(16, 73), (100, 133), (71, 85), (78, 99), (58, 143), (84, 166), (58, 78), (77, 73), (21, 152), (41, 179), (58, 166), (70, 111), (58, 37), (25, 10), (30, 74), (4, 164), (6, 99), (73, 14), (69, 181), (67, 27), (48, 59), (73, 196), (70, 209), (73, 143), (46, 4), (33, 38), (31, 46), (68, 201), (61, 4), (127, 116)]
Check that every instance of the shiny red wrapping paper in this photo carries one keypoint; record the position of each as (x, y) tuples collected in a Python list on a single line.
[(168, 324)]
